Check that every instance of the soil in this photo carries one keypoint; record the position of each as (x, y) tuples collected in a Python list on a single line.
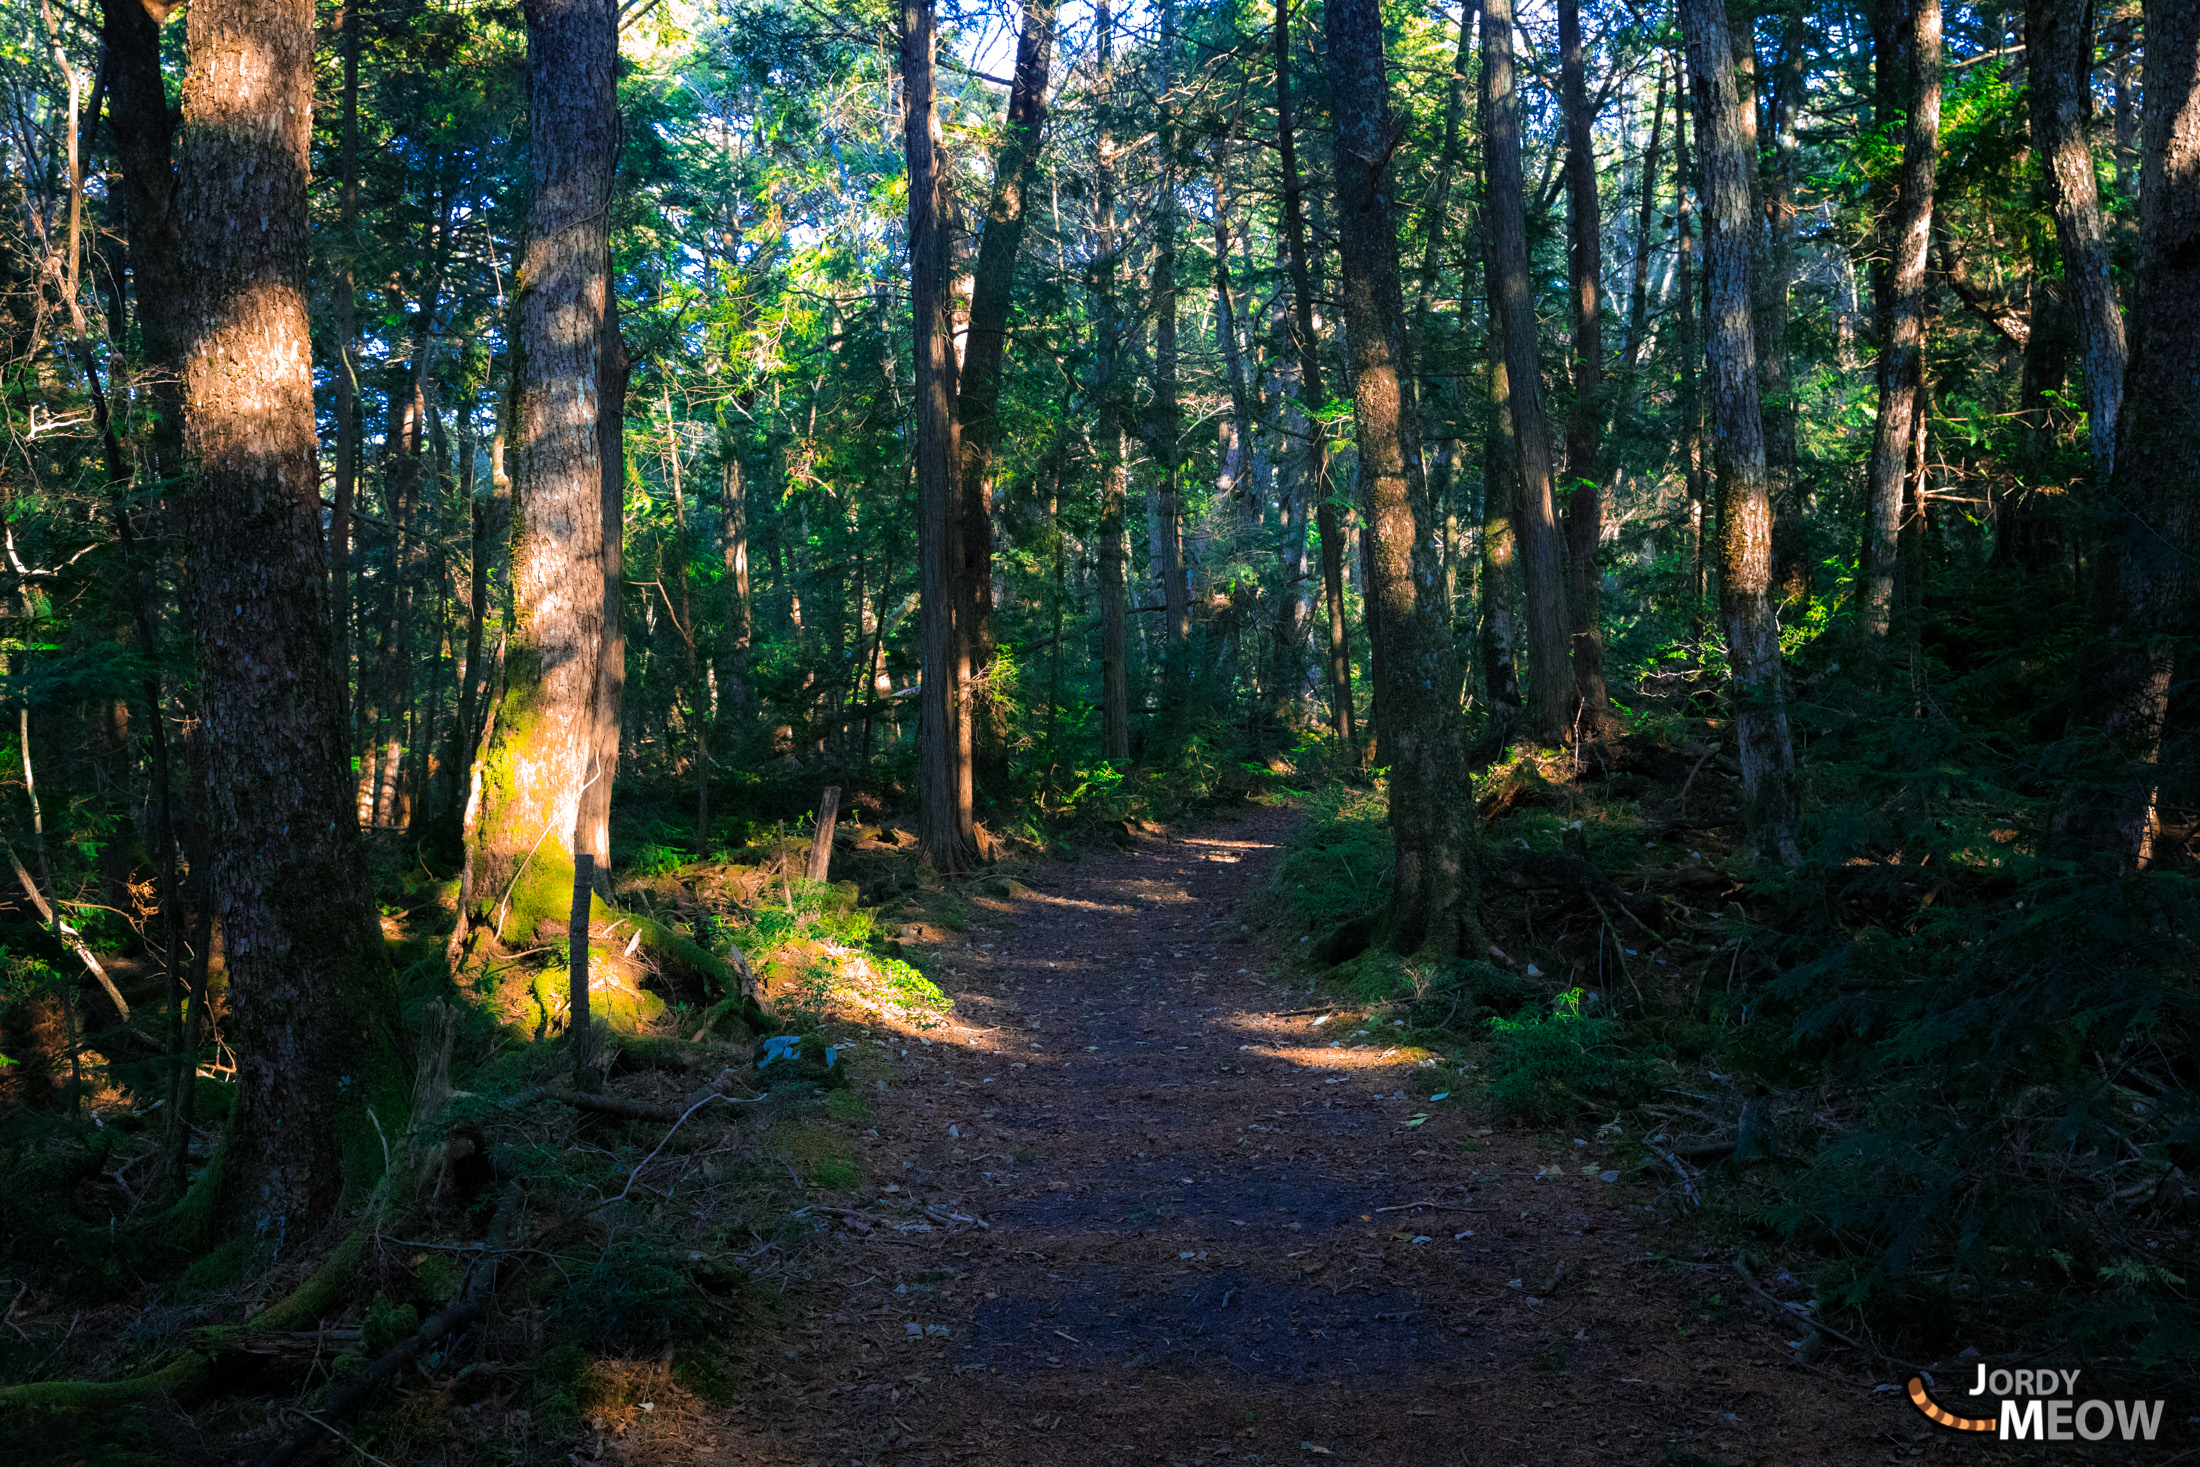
[(1137, 1202)]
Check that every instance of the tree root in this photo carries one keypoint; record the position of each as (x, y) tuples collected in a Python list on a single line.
[(191, 1372), (468, 1307)]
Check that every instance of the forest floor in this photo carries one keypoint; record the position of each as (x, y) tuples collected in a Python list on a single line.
[(1138, 1198)]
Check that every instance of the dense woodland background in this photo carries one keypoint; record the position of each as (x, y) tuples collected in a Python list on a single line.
[(1703, 500)]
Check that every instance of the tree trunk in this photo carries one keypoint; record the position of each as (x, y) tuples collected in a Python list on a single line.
[(1314, 478), (613, 368), (1638, 290), (346, 374), (1550, 682), (1417, 679), (1585, 424), (977, 407), (1239, 427), (1746, 613), (1775, 282), (942, 778), (543, 757), (2059, 37), (308, 985), (1499, 629), (1167, 420), (1688, 345), (1908, 240), (737, 626), (2146, 603), (144, 128)]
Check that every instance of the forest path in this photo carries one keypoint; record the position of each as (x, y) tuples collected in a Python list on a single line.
[(1198, 1243)]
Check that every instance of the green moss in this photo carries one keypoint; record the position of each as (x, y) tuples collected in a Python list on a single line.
[(217, 1269), (623, 1009), (214, 1100), (386, 1324), (436, 1280), (848, 1106)]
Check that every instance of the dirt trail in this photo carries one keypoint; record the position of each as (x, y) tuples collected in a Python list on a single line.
[(1198, 1243)]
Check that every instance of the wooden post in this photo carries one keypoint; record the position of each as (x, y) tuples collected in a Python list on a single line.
[(821, 847), (576, 938)]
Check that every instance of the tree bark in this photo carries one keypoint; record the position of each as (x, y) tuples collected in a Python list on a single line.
[(1908, 242), (1314, 478), (2059, 37), (1585, 424), (308, 984), (1746, 613), (1500, 621), (1167, 418), (144, 130), (1551, 693), (977, 406), (1688, 344), (1638, 290), (613, 369), (543, 757), (2148, 587), (942, 774), (345, 289), (737, 625), (1431, 799), (1775, 282)]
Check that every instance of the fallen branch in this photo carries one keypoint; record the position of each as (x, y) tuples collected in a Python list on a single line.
[(471, 1302), (69, 936), (1441, 1206)]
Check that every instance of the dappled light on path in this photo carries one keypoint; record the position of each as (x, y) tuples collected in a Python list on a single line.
[(1146, 1196)]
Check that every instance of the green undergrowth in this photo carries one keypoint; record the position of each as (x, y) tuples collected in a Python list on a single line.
[(1948, 1074)]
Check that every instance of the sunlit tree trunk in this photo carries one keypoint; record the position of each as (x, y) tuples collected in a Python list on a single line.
[(1542, 554), (2059, 41), (308, 985), (1746, 614), (1431, 800), (1908, 239), (543, 756)]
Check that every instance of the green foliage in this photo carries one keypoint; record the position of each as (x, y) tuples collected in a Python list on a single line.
[(634, 1295), (386, 1324), (1338, 866), (1549, 1065)]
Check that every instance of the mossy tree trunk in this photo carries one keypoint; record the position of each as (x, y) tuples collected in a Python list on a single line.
[(308, 983), (543, 754)]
